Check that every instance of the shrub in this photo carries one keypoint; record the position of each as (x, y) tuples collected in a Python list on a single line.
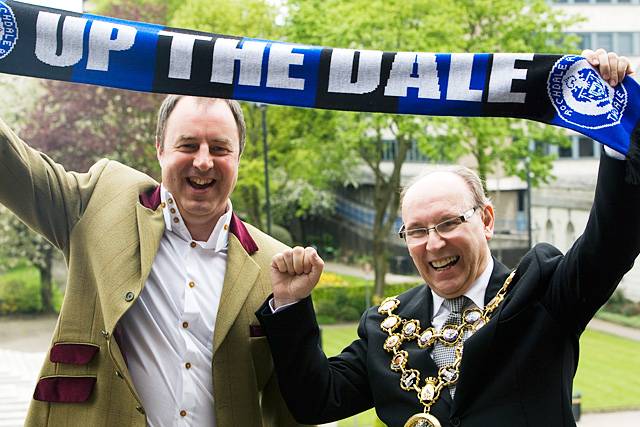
[(619, 304), (342, 299), (282, 234), (20, 292)]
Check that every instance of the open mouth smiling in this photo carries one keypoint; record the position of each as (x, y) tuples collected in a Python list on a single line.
[(200, 183), (444, 263)]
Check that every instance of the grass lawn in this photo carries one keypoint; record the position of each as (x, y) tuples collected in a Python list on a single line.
[(608, 375)]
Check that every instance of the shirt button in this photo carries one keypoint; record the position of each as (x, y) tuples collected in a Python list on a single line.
[(162, 205), (170, 200), (192, 244), (187, 365), (226, 227), (185, 325), (172, 210), (176, 220), (129, 296), (183, 413), (192, 284), (455, 421)]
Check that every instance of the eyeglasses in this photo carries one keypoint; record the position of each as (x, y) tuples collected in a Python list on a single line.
[(444, 229)]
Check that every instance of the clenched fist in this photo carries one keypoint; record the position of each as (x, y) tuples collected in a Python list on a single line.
[(294, 274)]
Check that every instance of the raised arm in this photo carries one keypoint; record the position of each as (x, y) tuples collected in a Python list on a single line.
[(39, 191)]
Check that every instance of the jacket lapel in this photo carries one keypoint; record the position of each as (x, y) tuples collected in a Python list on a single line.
[(150, 229), (239, 278)]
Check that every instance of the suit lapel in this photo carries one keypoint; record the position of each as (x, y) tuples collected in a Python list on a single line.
[(239, 278), (150, 229)]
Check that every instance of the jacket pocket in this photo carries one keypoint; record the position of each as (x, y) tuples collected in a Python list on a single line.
[(73, 353), (64, 389)]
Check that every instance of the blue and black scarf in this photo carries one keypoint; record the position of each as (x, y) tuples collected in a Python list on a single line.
[(561, 90)]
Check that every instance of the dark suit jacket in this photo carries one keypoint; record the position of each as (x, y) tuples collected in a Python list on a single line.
[(518, 370)]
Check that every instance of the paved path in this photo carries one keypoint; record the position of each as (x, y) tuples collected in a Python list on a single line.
[(18, 373), (614, 329)]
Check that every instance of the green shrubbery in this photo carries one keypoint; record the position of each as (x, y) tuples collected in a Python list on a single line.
[(344, 299), (20, 291), (620, 304)]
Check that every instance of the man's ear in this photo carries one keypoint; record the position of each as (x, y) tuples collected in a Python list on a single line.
[(159, 149), (488, 221)]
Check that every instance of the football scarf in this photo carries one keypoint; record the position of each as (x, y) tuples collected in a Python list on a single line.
[(561, 90)]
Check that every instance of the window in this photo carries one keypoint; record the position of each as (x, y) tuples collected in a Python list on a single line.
[(625, 44), (605, 41), (585, 41), (565, 152), (585, 147), (541, 147)]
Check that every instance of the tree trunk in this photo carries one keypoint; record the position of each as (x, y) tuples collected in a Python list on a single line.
[(387, 200), (379, 268), (46, 282)]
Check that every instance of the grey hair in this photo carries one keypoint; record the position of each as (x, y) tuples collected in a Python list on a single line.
[(469, 176), (170, 102)]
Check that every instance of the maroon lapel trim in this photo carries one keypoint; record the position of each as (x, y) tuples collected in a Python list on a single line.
[(237, 228), (151, 200)]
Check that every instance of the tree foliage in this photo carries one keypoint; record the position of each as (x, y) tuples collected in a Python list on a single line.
[(303, 164), (431, 26)]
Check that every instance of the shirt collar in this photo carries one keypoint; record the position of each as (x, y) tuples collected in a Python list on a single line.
[(219, 238), (475, 292)]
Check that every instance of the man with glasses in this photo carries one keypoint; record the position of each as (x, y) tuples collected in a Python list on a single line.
[(480, 345)]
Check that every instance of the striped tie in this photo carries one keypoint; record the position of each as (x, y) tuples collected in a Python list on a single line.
[(442, 354)]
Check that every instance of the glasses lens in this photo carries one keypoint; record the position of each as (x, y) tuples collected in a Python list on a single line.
[(415, 235), (446, 228)]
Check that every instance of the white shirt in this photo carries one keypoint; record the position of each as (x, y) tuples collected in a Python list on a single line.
[(167, 336), (475, 293)]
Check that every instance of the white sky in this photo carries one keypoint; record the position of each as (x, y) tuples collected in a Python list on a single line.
[(72, 5)]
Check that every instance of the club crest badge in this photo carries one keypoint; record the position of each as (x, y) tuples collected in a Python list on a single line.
[(581, 97), (8, 30)]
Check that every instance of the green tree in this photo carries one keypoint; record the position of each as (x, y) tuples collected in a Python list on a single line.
[(19, 244), (432, 26), (302, 169)]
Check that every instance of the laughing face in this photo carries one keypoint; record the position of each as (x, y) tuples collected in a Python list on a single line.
[(448, 265), (199, 158)]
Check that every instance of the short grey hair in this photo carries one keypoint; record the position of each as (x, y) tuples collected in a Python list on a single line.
[(170, 102), (469, 176)]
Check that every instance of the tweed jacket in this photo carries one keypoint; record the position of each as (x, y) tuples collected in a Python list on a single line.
[(516, 371), (109, 240)]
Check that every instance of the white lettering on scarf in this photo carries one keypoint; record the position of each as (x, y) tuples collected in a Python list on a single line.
[(341, 70), (101, 42), (181, 55), (402, 75)]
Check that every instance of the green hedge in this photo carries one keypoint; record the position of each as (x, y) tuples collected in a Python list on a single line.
[(20, 292), (340, 303)]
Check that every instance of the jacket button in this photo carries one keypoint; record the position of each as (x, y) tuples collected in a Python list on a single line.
[(455, 421), (129, 296), (119, 375), (105, 334), (140, 409)]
